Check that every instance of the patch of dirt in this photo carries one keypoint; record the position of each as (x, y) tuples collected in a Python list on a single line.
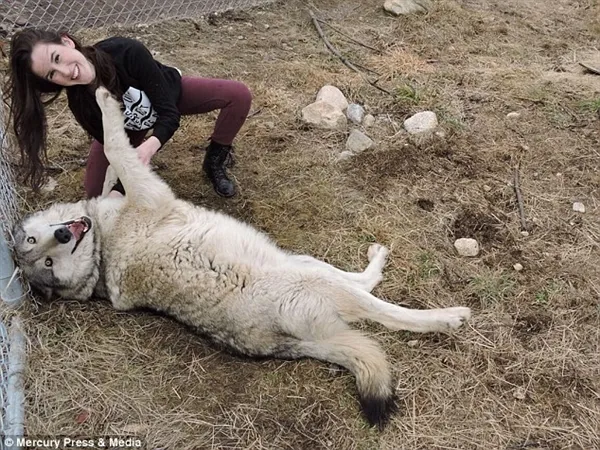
[(485, 228), (528, 325)]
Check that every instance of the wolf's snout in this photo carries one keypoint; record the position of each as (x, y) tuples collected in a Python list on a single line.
[(63, 235)]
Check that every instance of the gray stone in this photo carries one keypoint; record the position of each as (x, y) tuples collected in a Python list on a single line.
[(368, 121), (324, 115), (50, 185), (466, 247), (333, 96), (355, 113), (404, 7), (345, 155), (358, 142), (420, 123)]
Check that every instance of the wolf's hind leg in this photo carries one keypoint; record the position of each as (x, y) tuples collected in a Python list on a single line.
[(354, 304), (366, 280), (141, 185)]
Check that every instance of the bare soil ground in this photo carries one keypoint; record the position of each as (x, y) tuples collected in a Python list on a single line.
[(524, 374)]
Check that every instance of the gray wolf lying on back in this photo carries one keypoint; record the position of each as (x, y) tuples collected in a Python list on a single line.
[(216, 274)]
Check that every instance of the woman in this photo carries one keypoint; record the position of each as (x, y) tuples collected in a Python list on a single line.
[(154, 96)]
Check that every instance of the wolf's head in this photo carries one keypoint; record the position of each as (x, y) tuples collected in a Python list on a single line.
[(57, 251)]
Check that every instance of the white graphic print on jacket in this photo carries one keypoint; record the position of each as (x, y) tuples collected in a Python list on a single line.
[(139, 114)]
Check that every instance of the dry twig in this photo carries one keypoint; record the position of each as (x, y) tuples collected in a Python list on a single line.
[(356, 41), (335, 51), (590, 68), (517, 187)]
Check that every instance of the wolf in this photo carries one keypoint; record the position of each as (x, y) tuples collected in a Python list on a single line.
[(222, 277)]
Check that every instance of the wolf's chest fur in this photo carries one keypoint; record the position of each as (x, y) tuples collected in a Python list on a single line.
[(162, 265)]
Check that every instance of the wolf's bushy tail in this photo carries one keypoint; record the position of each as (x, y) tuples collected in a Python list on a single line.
[(365, 359)]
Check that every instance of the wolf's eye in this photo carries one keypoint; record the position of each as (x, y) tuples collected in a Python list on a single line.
[(48, 262), (31, 240)]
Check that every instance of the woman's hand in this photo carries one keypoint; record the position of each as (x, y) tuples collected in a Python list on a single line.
[(147, 149)]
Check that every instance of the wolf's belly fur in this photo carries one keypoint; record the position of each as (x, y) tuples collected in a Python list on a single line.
[(191, 267)]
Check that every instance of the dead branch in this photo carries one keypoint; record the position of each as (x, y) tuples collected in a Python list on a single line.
[(517, 187), (590, 68), (335, 51), (356, 41), (254, 113)]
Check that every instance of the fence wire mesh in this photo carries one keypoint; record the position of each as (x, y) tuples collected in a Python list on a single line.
[(11, 293), (12, 365), (8, 194), (67, 15), (4, 349)]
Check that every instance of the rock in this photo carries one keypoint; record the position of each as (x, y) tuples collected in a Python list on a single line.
[(518, 267), (421, 123), (513, 115), (355, 113), (345, 155), (579, 207), (21, 21), (404, 7), (333, 96), (324, 115), (50, 185), (412, 343), (358, 142), (467, 247), (520, 393), (368, 121)]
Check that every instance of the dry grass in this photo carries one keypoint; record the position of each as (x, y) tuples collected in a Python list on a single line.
[(525, 373)]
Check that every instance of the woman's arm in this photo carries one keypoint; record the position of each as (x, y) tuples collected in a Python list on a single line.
[(147, 149), (141, 66)]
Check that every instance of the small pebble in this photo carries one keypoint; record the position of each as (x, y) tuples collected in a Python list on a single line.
[(519, 393), (467, 247), (368, 121)]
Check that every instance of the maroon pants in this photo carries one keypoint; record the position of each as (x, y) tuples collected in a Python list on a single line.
[(198, 95)]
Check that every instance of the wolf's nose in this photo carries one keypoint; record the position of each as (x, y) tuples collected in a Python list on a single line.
[(63, 235)]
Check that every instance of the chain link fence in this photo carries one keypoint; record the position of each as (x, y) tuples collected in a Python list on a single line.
[(68, 15), (12, 365), (71, 16)]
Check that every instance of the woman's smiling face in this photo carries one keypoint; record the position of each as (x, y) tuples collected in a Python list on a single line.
[(61, 64)]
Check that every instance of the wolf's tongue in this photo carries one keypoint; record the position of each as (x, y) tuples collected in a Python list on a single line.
[(77, 229)]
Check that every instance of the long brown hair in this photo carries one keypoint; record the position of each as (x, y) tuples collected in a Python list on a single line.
[(27, 95)]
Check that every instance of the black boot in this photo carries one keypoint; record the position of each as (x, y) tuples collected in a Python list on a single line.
[(217, 157)]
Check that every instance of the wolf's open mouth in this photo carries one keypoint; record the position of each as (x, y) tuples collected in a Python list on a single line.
[(78, 228)]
